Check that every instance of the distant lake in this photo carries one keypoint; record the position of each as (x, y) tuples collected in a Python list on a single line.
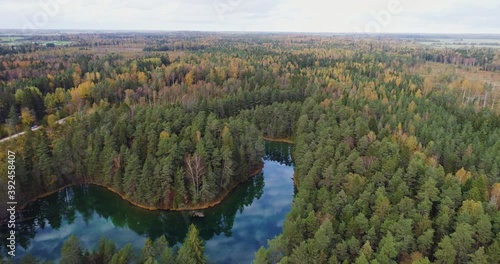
[(233, 231)]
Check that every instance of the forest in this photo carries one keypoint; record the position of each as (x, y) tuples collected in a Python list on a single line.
[(191, 251), (394, 162)]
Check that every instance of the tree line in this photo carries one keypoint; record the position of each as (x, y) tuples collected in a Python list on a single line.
[(153, 252)]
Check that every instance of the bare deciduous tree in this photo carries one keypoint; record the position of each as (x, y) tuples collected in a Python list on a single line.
[(195, 169)]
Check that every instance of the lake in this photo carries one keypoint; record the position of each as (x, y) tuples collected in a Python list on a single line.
[(233, 231)]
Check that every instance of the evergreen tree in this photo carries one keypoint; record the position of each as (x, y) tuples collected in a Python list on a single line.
[(71, 251), (261, 256), (192, 250), (13, 118), (306, 252), (148, 251), (132, 170), (479, 257), (107, 160), (105, 250), (446, 252), (493, 252), (151, 260), (167, 256), (124, 256), (160, 245), (463, 241), (387, 249), (361, 259)]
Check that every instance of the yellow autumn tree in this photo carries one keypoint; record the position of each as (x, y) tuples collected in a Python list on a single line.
[(189, 79), (51, 120), (473, 208), (412, 107), (495, 195), (412, 143), (428, 84), (85, 88), (463, 175), (79, 94), (51, 79), (27, 118), (142, 78), (234, 69), (164, 134), (418, 94)]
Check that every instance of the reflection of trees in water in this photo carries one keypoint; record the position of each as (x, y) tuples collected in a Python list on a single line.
[(279, 152), (88, 200), (52, 209), (222, 217)]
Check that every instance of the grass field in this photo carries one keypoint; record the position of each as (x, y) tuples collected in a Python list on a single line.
[(58, 43), (9, 41), (462, 43)]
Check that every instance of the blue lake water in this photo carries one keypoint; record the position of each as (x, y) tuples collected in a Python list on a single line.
[(233, 231)]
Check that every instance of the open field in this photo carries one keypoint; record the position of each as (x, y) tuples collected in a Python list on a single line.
[(58, 43), (11, 41), (462, 42)]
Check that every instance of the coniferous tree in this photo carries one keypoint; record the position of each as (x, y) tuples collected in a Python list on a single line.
[(148, 251), (105, 251), (71, 252), (123, 256), (192, 250), (13, 118)]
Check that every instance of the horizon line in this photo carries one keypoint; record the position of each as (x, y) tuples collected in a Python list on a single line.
[(19, 31)]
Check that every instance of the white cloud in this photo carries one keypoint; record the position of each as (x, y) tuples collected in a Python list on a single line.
[(260, 15)]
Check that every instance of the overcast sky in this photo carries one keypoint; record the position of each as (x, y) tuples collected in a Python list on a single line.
[(374, 16)]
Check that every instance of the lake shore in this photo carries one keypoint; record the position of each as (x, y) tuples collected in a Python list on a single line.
[(41, 196), (288, 141), (154, 208), (151, 208), (283, 140)]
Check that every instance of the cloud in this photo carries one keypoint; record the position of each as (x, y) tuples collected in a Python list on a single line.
[(473, 18), (480, 16)]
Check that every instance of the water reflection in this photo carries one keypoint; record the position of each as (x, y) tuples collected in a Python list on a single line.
[(234, 230), (279, 152)]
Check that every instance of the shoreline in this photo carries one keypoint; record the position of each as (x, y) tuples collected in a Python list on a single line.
[(41, 196), (282, 140), (182, 209), (288, 141), (295, 181), (151, 208), (224, 195), (219, 200)]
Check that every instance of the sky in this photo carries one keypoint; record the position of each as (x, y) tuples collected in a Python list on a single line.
[(359, 16)]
